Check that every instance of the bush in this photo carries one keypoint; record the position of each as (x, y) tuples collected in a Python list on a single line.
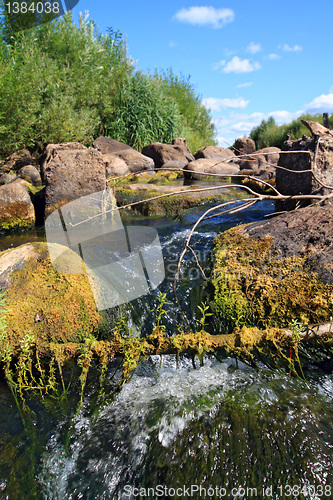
[(196, 123), (60, 82), (142, 113), (269, 134)]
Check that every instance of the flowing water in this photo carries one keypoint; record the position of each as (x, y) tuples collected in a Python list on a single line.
[(175, 430)]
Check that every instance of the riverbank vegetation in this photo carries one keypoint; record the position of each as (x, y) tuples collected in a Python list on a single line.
[(62, 82), (268, 133)]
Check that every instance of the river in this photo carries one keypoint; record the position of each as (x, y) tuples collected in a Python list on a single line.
[(174, 430)]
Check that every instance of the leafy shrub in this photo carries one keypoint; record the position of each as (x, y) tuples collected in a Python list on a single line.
[(196, 122), (61, 82), (142, 113), (268, 133)]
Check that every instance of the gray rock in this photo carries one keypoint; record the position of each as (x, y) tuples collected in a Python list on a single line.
[(30, 174), (244, 146), (115, 166), (199, 168), (215, 153), (107, 145), (71, 171), (7, 178), (270, 154), (162, 153), (135, 161), (16, 161), (120, 158)]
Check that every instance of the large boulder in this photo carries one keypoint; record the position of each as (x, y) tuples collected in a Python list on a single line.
[(71, 171), (163, 153), (216, 153), (271, 155), (114, 165), (269, 273), (120, 158), (252, 163), (43, 303), (107, 145), (16, 208), (135, 160), (262, 163), (197, 169), (244, 146)]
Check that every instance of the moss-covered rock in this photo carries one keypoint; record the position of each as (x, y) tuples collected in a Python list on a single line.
[(16, 208), (172, 205), (257, 284), (42, 303)]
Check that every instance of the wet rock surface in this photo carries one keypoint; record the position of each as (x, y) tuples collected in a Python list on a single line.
[(305, 232)]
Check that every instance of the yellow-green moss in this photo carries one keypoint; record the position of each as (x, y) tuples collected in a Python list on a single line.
[(16, 216), (64, 304), (171, 205), (254, 286)]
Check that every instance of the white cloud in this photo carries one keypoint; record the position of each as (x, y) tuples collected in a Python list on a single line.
[(215, 104), (288, 48), (235, 125), (217, 18), (237, 65), (173, 44), (273, 57), (245, 84), (253, 48), (282, 117), (321, 104)]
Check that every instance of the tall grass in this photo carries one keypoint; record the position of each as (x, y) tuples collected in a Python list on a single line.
[(196, 124), (63, 82)]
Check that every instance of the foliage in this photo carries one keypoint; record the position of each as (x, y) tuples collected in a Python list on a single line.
[(268, 133), (160, 312), (55, 80), (142, 113), (196, 124), (60, 82)]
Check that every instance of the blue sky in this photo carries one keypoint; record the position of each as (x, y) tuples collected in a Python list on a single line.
[(247, 59)]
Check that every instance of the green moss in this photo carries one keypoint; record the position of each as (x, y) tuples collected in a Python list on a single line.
[(171, 205), (63, 303), (254, 286), (16, 223), (35, 189)]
